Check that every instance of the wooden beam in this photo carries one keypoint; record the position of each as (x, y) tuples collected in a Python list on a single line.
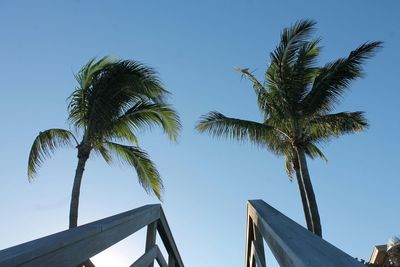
[(171, 261), (151, 239), (148, 258), (256, 259), (168, 240), (249, 239), (258, 244), (73, 246), (160, 259), (292, 244)]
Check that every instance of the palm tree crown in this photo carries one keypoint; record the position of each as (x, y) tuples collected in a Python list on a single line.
[(113, 100), (296, 100)]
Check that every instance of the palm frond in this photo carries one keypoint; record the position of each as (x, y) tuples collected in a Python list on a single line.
[(291, 39), (263, 135), (44, 146), (289, 167), (121, 131), (217, 125), (105, 154), (147, 114), (307, 55), (334, 78), (303, 71), (284, 55), (263, 98), (257, 86), (335, 125), (110, 89), (313, 152), (79, 99), (278, 76), (107, 86), (89, 71), (147, 173)]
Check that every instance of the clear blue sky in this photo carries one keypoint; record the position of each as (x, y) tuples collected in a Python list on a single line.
[(195, 45)]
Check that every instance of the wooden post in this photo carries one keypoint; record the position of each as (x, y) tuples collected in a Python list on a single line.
[(259, 245), (291, 244), (249, 239), (171, 260), (151, 238), (74, 246)]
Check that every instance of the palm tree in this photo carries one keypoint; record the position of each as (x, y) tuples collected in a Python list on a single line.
[(296, 100), (113, 100)]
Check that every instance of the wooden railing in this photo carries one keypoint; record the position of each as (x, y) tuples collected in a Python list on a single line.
[(291, 244), (74, 246)]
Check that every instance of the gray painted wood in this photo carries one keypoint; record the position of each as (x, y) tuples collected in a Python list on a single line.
[(148, 258), (160, 259), (252, 256), (249, 239), (292, 244), (171, 261), (256, 257), (73, 246), (259, 246), (168, 240), (151, 239)]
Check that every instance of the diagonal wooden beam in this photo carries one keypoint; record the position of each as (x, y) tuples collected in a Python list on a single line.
[(151, 239), (148, 258), (249, 239), (258, 244), (74, 246), (169, 242), (292, 244), (255, 258)]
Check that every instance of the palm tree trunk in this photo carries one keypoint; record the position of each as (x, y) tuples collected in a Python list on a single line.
[(303, 195), (83, 155), (310, 192)]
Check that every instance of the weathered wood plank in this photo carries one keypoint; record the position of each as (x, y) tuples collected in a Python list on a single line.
[(160, 259), (171, 261), (151, 239), (73, 246), (249, 239), (292, 244), (256, 256), (148, 258), (168, 239), (259, 246)]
